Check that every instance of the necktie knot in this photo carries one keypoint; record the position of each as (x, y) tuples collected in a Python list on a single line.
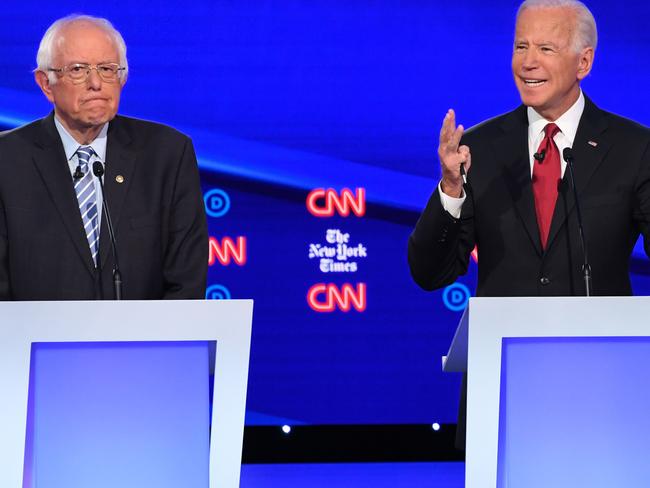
[(84, 153), (549, 131)]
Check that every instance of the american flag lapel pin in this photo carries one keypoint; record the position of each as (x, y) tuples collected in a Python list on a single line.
[(592, 143)]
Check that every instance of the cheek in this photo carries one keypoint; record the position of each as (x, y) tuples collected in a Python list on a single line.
[(515, 64), (116, 98), (65, 97)]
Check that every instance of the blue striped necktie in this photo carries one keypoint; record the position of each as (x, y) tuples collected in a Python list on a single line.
[(86, 196)]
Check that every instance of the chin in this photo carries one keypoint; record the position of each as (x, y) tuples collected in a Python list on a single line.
[(532, 101), (99, 119)]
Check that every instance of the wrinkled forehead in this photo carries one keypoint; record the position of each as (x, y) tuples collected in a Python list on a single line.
[(84, 41), (546, 24)]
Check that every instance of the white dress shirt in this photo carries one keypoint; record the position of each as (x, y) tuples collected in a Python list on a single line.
[(568, 124)]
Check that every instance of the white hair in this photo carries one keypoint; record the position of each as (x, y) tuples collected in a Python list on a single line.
[(53, 37), (585, 35)]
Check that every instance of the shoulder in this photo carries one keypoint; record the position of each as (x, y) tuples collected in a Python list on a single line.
[(628, 136), (25, 134), (625, 127), (144, 132)]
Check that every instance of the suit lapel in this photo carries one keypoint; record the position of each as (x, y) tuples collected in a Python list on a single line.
[(120, 162), (587, 158), (50, 161), (516, 170)]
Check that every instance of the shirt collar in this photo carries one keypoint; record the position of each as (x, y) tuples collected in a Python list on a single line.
[(70, 145), (567, 122)]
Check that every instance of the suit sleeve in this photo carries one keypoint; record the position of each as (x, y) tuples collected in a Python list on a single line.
[(186, 257), (440, 245)]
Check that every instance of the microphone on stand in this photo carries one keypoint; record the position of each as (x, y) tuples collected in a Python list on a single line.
[(586, 268), (98, 171)]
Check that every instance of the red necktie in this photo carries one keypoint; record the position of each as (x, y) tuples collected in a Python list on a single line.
[(546, 177)]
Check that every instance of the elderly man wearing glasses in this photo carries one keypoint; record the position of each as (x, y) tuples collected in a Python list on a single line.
[(59, 175)]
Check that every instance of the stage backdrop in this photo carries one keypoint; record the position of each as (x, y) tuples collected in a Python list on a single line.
[(316, 128)]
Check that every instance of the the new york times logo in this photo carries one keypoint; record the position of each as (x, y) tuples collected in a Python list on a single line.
[(337, 255)]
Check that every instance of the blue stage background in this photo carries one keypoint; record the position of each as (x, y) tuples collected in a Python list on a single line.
[(282, 98)]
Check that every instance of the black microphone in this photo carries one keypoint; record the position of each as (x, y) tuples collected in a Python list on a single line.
[(98, 171), (586, 268), (540, 156), (467, 187), (463, 174), (78, 174)]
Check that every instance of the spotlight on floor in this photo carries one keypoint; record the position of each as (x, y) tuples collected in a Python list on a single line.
[(286, 429), (435, 426)]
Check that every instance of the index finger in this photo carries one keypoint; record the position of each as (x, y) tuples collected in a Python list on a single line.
[(448, 127)]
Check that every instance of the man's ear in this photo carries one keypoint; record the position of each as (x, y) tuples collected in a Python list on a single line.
[(43, 82), (585, 62)]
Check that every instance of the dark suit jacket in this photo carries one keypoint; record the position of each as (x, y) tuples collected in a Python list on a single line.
[(157, 213), (612, 171)]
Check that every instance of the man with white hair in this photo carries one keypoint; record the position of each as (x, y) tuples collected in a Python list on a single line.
[(519, 210), (54, 236)]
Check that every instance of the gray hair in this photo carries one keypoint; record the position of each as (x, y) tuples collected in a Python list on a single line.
[(585, 35), (52, 38)]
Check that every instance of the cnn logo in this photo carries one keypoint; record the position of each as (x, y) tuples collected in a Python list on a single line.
[(323, 202), (323, 297), (226, 251)]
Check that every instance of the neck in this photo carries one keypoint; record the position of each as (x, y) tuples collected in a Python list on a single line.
[(552, 114), (83, 135)]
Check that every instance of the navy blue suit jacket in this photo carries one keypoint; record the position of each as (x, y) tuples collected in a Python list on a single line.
[(157, 211), (612, 171)]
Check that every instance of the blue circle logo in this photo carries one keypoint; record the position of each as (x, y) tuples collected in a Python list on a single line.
[(217, 292), (456, 296), (217, 203)]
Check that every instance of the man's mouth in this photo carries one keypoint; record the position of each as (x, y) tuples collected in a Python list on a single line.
[(534, 83)]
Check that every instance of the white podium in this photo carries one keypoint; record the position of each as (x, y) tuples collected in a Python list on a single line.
[(119, 393), (557, 391)]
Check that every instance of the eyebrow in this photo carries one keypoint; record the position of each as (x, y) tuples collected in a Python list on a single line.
[(88, 63), (540, 43), (547, 43)]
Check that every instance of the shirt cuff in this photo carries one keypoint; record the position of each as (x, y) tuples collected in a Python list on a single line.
[(452, 205)]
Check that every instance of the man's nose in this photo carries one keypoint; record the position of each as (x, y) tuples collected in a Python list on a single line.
[(530, 59), (94, 81)]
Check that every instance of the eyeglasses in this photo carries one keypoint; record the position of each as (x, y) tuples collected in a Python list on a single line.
[(79, 72)]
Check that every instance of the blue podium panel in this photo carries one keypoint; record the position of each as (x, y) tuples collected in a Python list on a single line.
[(574, 412), (127, 414)]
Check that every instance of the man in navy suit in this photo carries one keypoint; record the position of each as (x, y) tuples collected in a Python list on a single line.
[(519, 210), (54, 242), (521, 218)]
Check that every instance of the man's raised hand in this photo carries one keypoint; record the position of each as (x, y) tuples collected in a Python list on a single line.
[(452, 155)]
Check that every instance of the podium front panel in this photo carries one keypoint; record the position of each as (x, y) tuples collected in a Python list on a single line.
[(571, 372), (574, 412), (190, 323), (115, 414)]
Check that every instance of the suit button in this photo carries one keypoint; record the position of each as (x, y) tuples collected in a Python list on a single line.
[(544, 280)]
